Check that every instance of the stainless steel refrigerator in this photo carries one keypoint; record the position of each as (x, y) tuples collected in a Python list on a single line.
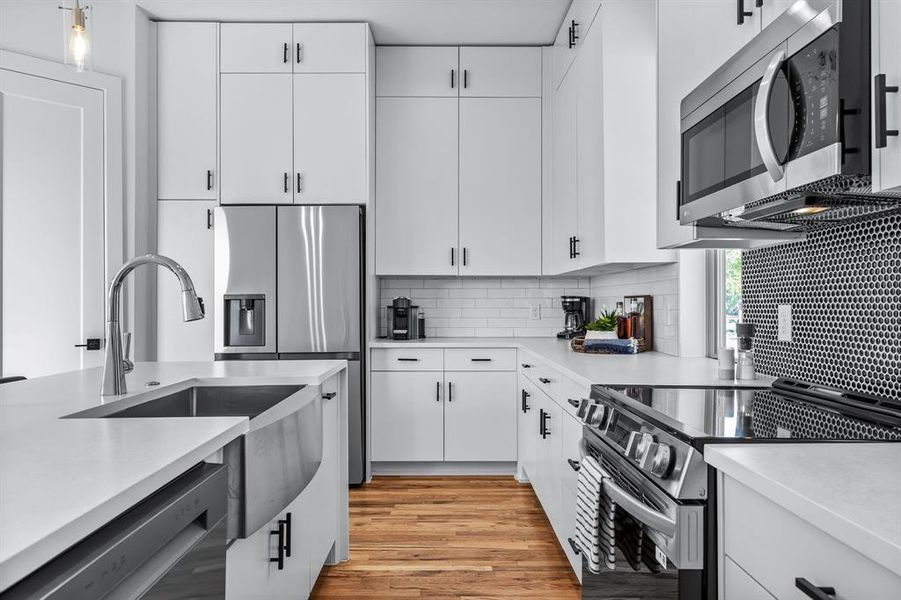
[(289, 286)]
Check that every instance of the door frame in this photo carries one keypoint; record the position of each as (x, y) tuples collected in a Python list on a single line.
[(113, 192)]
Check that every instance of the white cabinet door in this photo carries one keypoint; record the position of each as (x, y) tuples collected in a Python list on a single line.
[(407, 416), (321, 525), (480, 416), (694, 38), (185, 234), (573, 32), (500, 71), (886, 19), (255, 48), (416, 186), (500, 186), (329, 48), (771, 9), (187, 87), (330, 158), (417, 71), (564, 174), (256, 148), (527, 429)]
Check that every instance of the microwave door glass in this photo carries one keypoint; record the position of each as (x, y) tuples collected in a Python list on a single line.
[(704, 150)]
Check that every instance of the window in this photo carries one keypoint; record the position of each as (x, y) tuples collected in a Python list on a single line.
[(724, 301)]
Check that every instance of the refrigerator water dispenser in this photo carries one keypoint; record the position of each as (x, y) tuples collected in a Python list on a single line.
[(245, 320)]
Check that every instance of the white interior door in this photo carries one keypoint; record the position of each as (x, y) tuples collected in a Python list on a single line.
[(52, 198)]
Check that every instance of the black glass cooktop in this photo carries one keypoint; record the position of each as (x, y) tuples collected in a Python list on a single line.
[(788, 410)]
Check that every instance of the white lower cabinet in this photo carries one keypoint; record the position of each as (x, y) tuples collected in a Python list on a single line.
[(446, 415), (310, 524), (753, 534), (407, 416), (480, 416)]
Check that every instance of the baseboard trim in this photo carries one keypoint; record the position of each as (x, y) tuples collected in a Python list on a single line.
[(444, 468)]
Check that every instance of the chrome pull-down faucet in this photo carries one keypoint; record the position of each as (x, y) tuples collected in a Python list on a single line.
[(114, 366)]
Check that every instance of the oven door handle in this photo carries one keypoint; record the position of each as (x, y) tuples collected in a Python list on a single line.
[(649, 517), (762, 118)]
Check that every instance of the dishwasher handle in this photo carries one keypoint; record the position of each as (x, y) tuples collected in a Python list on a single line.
[(127, 556)]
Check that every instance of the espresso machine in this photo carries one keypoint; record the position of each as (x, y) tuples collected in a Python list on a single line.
[(403, 319), (575, 316)]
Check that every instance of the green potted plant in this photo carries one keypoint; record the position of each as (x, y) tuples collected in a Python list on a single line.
[(604, 326)]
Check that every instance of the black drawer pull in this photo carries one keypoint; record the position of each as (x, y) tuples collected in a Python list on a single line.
[(285, 53), (574, 545), (328, 396), (544, 380), (408, 359), (526, 366), (815, 592), (480, 359), (574, 464), (575, 403)]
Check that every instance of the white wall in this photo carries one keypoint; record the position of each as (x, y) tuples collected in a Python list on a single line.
[(122, 36)]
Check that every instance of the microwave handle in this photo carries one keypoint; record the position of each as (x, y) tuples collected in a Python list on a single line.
[(762, 121)]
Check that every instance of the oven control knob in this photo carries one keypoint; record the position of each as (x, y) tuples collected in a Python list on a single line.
[(663, 461), (640, 444), (597, 415)]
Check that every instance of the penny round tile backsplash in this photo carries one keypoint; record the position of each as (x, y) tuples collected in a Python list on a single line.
[(844, 286)]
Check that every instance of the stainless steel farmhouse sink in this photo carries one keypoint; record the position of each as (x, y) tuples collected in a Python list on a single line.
[(269, 465)]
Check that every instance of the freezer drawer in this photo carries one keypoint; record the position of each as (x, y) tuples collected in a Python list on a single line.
[(319, 279)]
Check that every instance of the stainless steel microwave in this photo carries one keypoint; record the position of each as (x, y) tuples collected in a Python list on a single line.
[(779, 136)]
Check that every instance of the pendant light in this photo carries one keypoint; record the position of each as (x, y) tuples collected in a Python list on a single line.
[(76, 35)]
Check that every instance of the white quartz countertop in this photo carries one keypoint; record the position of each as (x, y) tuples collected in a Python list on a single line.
[(646, 368), (852, 491), (61, 479)]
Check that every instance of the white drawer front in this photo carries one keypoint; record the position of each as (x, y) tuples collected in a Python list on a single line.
[(480, 359), (774, 547), (408, 359)]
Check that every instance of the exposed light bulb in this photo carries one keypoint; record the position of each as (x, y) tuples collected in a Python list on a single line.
[(78, 46), (77, 36)]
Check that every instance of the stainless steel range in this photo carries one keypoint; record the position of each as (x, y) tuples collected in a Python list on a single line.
[(651, 440)]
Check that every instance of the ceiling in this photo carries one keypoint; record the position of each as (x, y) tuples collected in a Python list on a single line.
[(393, 22)]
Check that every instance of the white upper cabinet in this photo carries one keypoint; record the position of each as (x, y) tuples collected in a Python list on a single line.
[(416, 186), (564, 173), (257, 141), (502, 72), (187, 102), (330, 158), (694, 38), (329, 48), (886, 18), (186, 236), (572, 34), (500, 186), (256, 48), (417, 71)]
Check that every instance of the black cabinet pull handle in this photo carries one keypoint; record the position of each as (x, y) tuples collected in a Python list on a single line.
[(574, 545), (573, 401), (328, 396), (480, 359), (285, 57), (464, 256), (209, 179), (299, 183), (209, 218), (465, 78), (286, 183), (576, 247), (287, 522), (570, 246), (280, 532), (541, 414), (678, 200), (452, 78), (525, 405), (544, 380), (544, 419), (299, 55), (815, 592), (575, 33), (526, 366), (742, 13), (452, 257), (574, 464), (437, 391), (408, 359), (879, 118), (450, 391)]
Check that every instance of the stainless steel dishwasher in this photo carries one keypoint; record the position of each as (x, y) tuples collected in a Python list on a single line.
[(170, 546)]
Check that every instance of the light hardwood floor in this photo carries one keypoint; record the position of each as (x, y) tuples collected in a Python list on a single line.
[(449, 537)]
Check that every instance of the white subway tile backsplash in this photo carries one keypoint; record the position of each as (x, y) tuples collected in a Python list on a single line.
[(501, 306)]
